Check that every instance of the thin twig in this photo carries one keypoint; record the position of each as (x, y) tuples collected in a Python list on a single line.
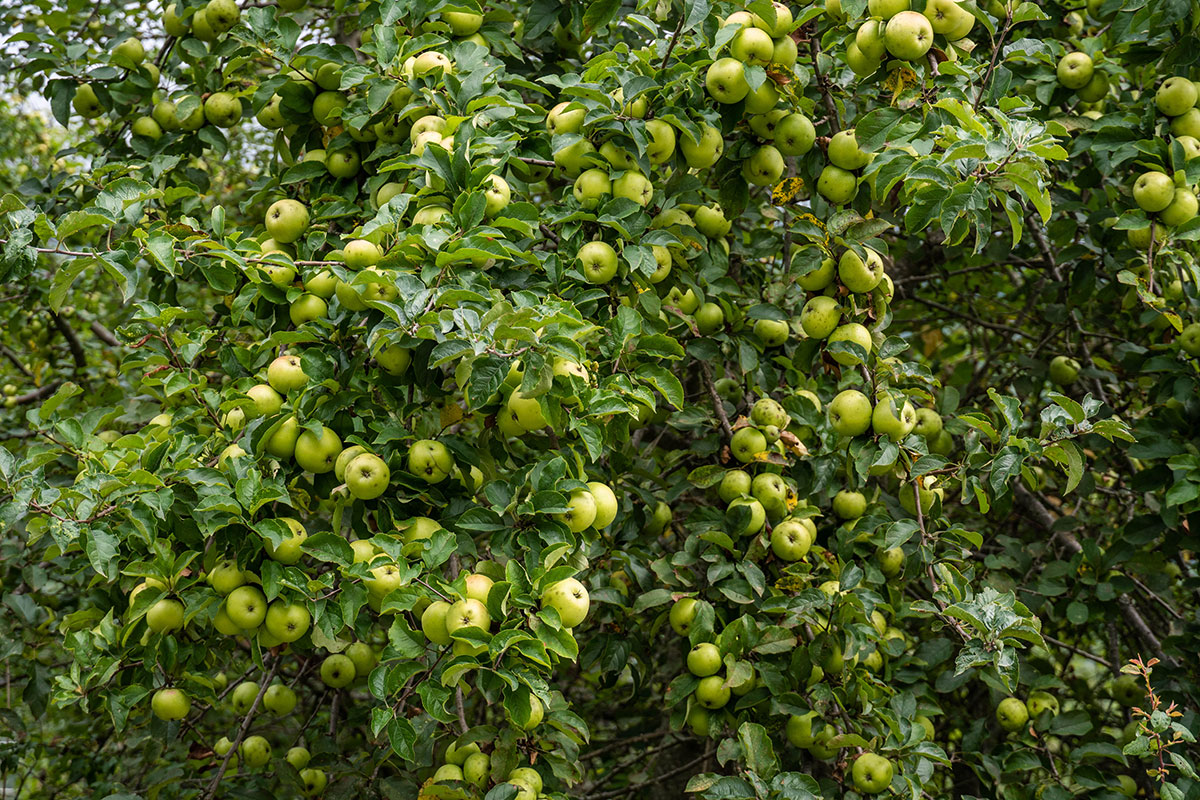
[(241, 734)]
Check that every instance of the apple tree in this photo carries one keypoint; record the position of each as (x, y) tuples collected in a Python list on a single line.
[(444, 399)]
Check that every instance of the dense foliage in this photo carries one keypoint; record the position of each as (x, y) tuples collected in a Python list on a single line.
[(600, 399)]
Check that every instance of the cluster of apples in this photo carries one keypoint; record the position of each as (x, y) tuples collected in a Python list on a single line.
[(894, 30), (1169, 200), (465, 763)]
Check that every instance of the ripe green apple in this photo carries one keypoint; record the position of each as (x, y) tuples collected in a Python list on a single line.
[(606, 504), (850, 413), (763, 99), (772, 332), (795, 135), (289, 552), (462, 23), (837, 185), (1064, 370), (819, 278), (709, 319), (581, 511), (243, 696), (726, 80), (799, 729), (384, 578), (479, 586), (430, 460), (853, 333), (314, 781), (849, 504), (783, 58), (130, 50), (344, 458), (165, 616), (885, 421), (929, 423), (758, 515), (591, 186), (360, 254), (526, 412), (246, 607), (570, 599), (1187, 124), (306, 308), (886, 9), (255, 751), (844, 152), (683, 612), (661, 144), (317, 454), (497, 194), (635, 186), (367, 476), (704, 659), (1175, 96), (872, 773), (432, 63), (201, 28), (945, 16), (770, 490), (706, 152), (1039, 701), (467, 613), (711, 221), (1075, 70), (146, 128), (820, 316), (287, 622), (286, 220), (791, 540), (1012, 714), (752, 46), (617, 156), (870, 39), (337, 671), (1182, 208), (764, 167), (908, 36), (298, 757), (858, 274), (735, 484), (279, 699), (598, 262), (363, 656), (1153, 191), (764, 124), (170, 704), (222, 15), (712, 693), (222, 110), (1189, 339), (282, 443), (173, 24), (1095, 90), (858, 61), (566, 117), (433, 622), (747, 443)]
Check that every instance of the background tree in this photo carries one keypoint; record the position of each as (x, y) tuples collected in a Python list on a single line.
[(600, 400)]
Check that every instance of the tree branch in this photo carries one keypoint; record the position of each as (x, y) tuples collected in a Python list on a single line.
[(72, 338), (211, 791), (718, 403)]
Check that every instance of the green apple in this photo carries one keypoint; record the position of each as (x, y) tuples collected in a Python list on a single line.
[(566, 117), (598, 262), (591, 187), (130, 50), (1153, 191), (479, 586), (282, 443), (317, 454), (886, 9), (946, 16), (873, 773), (467, 613), (222, 110), (711, 221), (606, 504), (735, 484), (170, 704), (337, 671), (1189, 339), (772, 332), (497, 194), (861, 63), (1012, 714), (222, 15), (1175, 96), (287, 622), (526, 412), (635, 186), (298, 757), (764, 167), (712, 693), (289, 552), (929, 423), (1039, 701), (844, 152), (306, 308), (570, 599), (1182, 208), (286, 220), (430, 460), (853, 333), (314, 781), (462, 23), (858, 274), (795, 135), (1075, 70), (367, 476), (791, 540), (225, 576), (165, 616), (384, 579), (752, 46), (146, 128), (682, 614), (433, 622), (758, 515), (476, 769), (279, 699), (173, 24), (1187, 124), (850, 413), (1064, 370), (819, 278), (799, 729), (886, 421), (849, 504), (820, 316), (763, 99), (704, 659), (432, 63), (710, 318), (1095, 90), (837, 185), (243, 696), (908, 36), (870, 39), (255, 751), (581, 511), (360, 254), (726, 80), (707, 151), (246, 607), (747, 443), (661, 144)]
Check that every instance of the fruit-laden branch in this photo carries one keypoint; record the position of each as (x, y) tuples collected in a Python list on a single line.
[(104, 334), (1044, 519), (15, 359), (814, 50), (211, 791), (674, 38), (999, 46)]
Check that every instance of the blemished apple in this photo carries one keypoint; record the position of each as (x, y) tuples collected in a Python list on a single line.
[(367, 476), (872, 773), (1012, 714), (430, 460), (704, 659), (712, 693), (772, 332), (820, 317), (837, 185), (337, 671), (764, 167), (314, 781)]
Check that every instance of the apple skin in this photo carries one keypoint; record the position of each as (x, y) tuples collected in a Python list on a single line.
[(1039, 701), (287, 622), (908, 36), (570, 598), (598, 262), (170, 704), (591, 186), (820, 317), (1075, 70), (746, 443), (367, 476), (246, 607), (314, 780), (844, 152), (795, 135), (790, 540), (735, 484), (711, 693), (704, 659), (1175, 96), (661, 144), (872, 773), (726, 80), (430, 460), (752, 46), (337, 671), (860, 275), (683, 612), (1153, 191), (286, 220), (706, 152), (225, 576), (1012, 714), (848, 504), (799, 729), (850, 413), (1064, 370), (837, 185), (929, 423)]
